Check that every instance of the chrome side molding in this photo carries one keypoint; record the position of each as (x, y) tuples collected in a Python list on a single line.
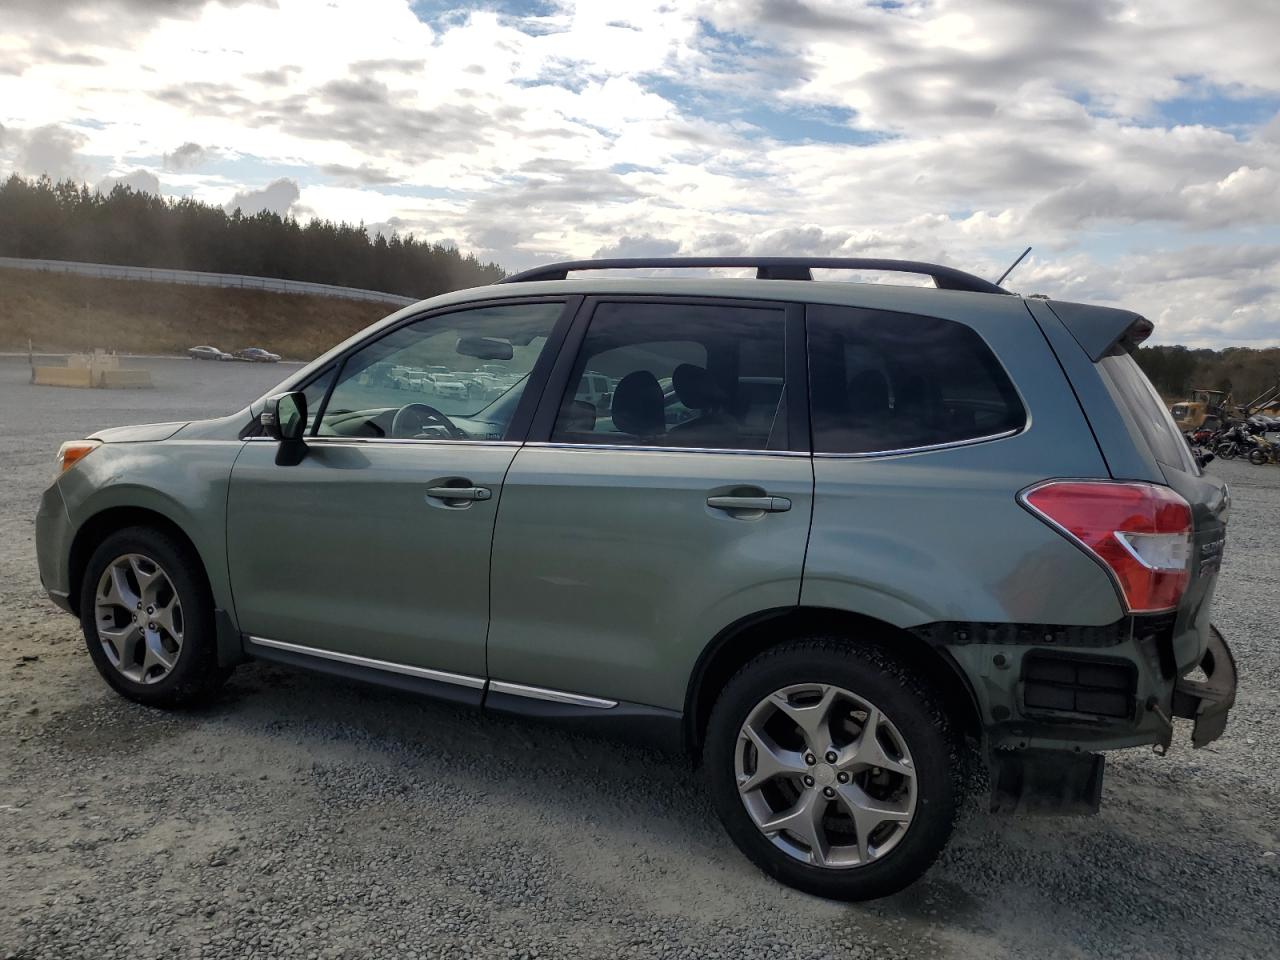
[(440, 676), (458, 679), (555, 696)]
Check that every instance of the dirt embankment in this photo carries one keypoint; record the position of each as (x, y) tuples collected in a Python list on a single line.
[(67, 313)]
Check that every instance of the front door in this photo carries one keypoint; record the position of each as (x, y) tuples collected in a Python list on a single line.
[(647, 517), (375, 547)]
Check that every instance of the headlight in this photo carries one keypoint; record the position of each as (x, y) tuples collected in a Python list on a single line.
[(73, 451)]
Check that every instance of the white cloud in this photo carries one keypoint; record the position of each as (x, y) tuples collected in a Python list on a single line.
[(140, 181), (47, 150), (279, 196), (187, 156)]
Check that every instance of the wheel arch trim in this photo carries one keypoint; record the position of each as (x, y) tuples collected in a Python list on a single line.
[(740, 641), (110, 519)]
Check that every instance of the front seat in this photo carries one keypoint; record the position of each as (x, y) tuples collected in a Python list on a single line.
[(637, 406), (697, 390)]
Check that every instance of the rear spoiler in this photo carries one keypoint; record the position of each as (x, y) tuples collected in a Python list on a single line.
[(1102, 331)]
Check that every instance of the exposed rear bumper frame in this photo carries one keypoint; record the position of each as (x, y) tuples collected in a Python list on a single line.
[(1208, 701)]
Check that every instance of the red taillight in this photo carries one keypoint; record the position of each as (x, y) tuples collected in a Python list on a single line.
[(1141, 532)]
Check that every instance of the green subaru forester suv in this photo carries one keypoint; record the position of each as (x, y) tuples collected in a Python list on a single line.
[(831, 538)]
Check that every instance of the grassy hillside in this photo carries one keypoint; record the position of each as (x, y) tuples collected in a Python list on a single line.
[(67, 313)]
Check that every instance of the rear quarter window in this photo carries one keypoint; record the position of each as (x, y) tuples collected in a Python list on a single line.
[(1131, 388), (882, 381)]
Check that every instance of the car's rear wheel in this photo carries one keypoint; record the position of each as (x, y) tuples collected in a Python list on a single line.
[(147, 618), (833, 769)]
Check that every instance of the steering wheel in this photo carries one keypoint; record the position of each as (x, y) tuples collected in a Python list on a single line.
[(413, 419)]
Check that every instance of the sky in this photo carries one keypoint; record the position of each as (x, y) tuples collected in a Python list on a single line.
[(1134, 144)]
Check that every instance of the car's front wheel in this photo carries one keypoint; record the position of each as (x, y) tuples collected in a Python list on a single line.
[(833, 769), (147, 618)]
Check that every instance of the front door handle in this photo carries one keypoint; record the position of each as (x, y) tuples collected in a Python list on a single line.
[(459, 493), (761, 504)]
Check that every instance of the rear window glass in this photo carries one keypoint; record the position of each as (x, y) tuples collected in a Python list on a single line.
[(1132, 388), (883, 381)]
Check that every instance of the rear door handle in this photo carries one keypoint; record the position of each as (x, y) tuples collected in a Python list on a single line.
[(764, 504), (459, 493)]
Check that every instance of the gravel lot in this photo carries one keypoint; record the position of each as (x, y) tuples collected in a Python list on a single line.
[(301, 816)]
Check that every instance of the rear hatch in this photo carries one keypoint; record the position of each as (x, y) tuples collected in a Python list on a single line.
[(1109, 338)]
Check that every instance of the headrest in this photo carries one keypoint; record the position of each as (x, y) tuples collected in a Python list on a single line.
[(696, 389), (637, 405)]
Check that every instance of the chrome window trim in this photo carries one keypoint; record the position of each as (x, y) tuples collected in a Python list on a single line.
[(1003, 435), (394, 440), (650, 449), (415, 440), (457, 679), (554, 696)]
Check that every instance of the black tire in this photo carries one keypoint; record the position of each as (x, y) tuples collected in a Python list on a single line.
[(1226, 451), (195, 674), (911, 706), (1257, 457)]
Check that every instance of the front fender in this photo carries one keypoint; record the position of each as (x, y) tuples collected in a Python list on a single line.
[(185, 482)]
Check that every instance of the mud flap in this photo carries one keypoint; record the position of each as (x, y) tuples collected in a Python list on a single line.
[(230, 646), (1046, 782)]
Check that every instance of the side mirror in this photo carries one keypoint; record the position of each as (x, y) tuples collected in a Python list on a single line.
[(1205, 459), (284, 418)]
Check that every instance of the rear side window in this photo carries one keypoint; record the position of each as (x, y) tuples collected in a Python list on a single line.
[(882, 381), (1130, 387), (689, 375)]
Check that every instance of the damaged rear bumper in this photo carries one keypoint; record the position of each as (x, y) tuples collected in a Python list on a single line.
[(1061, 781), (1206, 702)]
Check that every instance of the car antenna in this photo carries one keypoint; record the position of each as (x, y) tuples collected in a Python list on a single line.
[(1012, 265)]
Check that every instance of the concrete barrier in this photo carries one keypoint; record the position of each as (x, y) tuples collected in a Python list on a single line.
[(125, 379), (62, 376), (92, 375)]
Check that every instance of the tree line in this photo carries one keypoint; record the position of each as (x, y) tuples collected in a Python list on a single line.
[(42, 219), (1244, 372)]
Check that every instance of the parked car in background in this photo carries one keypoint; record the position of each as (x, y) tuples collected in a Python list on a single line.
[(890, 528), (451, 386), (256, 355), (596, 389), (206, 352)]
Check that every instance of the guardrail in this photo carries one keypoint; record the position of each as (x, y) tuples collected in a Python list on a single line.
[(202, 279)]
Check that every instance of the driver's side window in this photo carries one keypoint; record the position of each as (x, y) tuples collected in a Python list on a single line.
[(455, 376)]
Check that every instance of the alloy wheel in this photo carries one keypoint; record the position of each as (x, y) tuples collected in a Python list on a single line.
[(139, 618), (825, 776)]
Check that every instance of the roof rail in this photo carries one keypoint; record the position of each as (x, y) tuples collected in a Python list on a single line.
[(770, 268)]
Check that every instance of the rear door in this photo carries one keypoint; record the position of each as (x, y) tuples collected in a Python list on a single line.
[(634, 528)]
